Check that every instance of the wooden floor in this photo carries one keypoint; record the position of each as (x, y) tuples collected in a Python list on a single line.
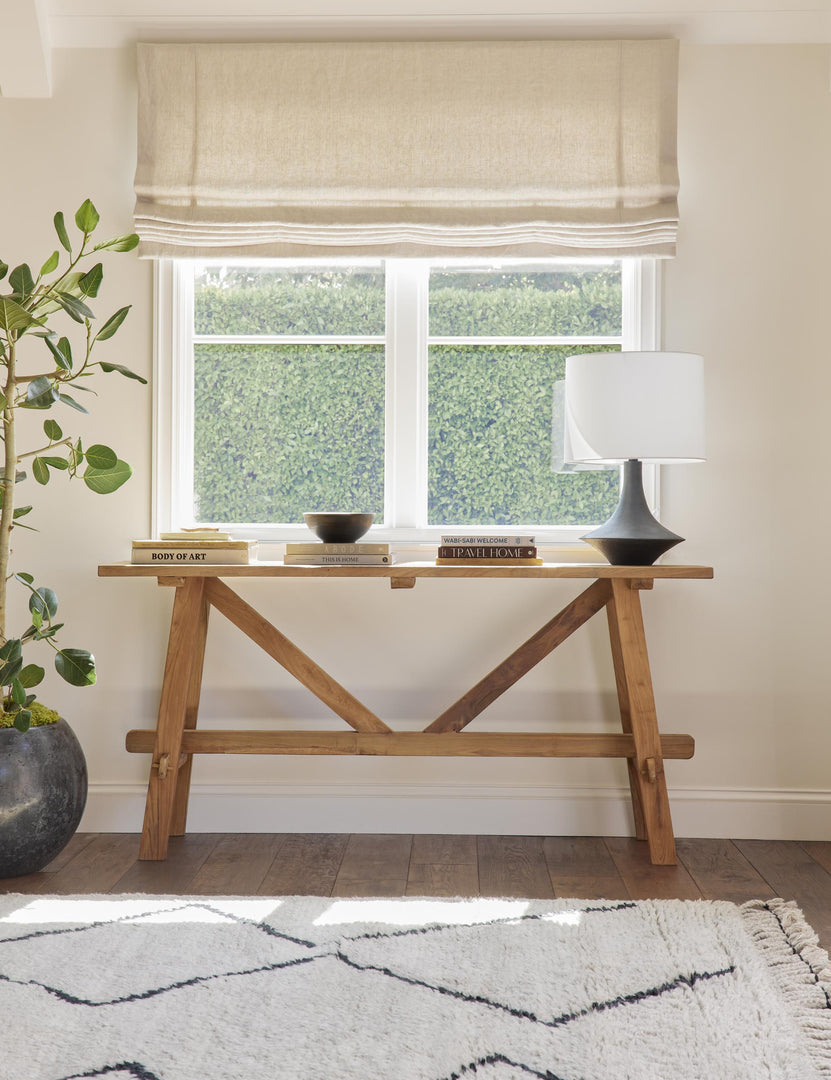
[(337, 864)]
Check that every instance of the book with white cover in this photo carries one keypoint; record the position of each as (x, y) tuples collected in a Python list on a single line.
[(337, 560), (193, 552), (489, 540), (319, 548), (196, 534), (170, 545)]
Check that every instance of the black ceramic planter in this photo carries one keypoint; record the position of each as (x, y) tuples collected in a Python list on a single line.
[(43, 790)]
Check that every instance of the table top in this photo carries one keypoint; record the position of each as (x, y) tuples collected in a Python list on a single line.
[(407, 570)]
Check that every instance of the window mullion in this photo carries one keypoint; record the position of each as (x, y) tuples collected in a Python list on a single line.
[(642, 332), (406, 486), (173, 388)]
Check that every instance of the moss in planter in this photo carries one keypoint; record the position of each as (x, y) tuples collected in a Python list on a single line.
[(40, 715)]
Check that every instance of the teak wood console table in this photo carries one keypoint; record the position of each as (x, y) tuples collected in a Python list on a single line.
[(198, 588)]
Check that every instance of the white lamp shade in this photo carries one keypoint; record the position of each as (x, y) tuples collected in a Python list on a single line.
[(645, 405)]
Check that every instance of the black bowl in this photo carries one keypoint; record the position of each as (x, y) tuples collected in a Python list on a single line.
[(339, 528)]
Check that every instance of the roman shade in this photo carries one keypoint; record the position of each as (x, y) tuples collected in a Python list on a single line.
[(408, 148)]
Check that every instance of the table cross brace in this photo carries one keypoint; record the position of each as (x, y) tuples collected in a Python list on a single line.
[(175, 739)]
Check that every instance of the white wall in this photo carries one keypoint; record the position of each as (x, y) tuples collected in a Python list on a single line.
[(739, 662)]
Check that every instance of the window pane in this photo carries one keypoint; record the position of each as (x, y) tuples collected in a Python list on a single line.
[(281, 430), (526, 302), (263, 300), (490, 441)]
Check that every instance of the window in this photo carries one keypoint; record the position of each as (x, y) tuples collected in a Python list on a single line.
[(422, 391)]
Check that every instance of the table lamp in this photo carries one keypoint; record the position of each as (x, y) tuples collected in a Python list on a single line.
[(632, 407)]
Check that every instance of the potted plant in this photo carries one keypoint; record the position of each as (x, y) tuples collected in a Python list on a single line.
[(43, 780)]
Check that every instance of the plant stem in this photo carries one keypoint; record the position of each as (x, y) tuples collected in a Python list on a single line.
[(9, 473)]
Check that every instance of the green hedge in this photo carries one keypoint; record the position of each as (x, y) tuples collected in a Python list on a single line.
[(490, 441), (279, 302), (280, 430)]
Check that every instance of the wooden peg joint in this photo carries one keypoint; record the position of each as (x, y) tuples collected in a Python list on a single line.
[(643, 583), (163, 765), (402, 582), (650, 770), (174, 582)]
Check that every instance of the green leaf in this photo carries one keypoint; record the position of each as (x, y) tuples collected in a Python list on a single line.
[(77, 666), (21, 281), (4, 269), (105, 481), (11, 649), (119, 243), (74, 307), (21, 511), (69, 283), (14, 317), (67, 400), (40, 471), (49, 632), (50, 264), (91, 281), (122, 370), (61, 352), (31, 675), (101, 458), (21, 575), (52, 430), (18, 692), (86, 217), (112, 324), (40, 393), (60, 229), (9, 670), (44, 601), (56, 462), (23, 720)]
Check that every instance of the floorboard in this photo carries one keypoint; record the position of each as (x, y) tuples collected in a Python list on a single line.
[(583, 866), (307, 864), (792, 873), (237, 865), (338, 864), (645, 881), (513, 866), (374, 865), (443, 866), (722, 872)]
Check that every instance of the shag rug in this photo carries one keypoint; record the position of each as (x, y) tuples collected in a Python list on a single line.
[(307, 988)]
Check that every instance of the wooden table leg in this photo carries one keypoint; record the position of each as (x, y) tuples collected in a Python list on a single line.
[(650, 800), (185, 628), (180, 802), (625, 717)]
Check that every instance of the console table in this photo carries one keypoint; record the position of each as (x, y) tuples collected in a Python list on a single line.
[(197, 589)]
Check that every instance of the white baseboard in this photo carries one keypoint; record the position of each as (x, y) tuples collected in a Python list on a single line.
[(766, 814)]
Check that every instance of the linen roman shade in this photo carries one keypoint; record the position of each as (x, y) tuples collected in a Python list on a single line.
[(408, 148)]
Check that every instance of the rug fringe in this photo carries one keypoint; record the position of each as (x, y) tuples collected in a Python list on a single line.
[(800, 967)]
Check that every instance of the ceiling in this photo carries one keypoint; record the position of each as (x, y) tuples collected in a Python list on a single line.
[(31, 29)]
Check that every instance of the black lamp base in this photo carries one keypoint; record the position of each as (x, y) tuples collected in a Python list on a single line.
[(632, 536)]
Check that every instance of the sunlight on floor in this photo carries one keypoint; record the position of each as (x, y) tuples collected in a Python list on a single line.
[(56, 909), (403, 912)]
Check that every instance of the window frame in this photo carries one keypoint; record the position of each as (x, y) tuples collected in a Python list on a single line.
[(406, 373)]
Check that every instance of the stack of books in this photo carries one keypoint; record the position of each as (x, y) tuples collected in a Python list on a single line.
[(494, 550), (194, 547), (316, 553)]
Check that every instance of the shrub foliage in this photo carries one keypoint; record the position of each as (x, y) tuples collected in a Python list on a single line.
[(283, 429)]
